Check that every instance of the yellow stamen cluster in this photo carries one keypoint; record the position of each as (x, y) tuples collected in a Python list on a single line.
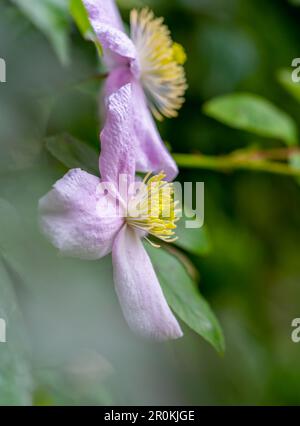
[(161, 60), (153, 209)]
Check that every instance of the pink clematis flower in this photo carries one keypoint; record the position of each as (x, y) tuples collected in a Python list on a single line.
[(78, 220), (152, 63)]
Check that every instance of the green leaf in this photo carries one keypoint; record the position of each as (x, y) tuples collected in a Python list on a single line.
[(81, 18), (193, 240), (284, 77), (254, 114), (184, 298), (73, 153), (15, 378), (52, 18)]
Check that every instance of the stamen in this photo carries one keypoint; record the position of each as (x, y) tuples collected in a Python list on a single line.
[(161, 60), (153, 210)]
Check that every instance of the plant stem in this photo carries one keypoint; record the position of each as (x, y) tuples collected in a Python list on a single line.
[(231, 162)]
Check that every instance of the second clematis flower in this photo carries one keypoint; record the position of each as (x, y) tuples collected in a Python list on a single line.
[(153, 64), (80, 219)]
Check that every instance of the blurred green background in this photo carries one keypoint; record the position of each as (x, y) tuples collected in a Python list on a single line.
[(67, 340)]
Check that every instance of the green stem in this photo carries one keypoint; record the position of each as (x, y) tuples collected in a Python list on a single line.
[(230, 162)]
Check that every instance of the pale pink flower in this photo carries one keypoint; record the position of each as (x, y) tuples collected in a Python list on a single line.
[(152, 63), (72, 217)]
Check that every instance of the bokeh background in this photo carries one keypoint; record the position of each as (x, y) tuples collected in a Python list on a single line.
[(67, 340)]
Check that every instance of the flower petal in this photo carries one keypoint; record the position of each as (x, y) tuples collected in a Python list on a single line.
[(117, 138), (153, 155), (142, 301), (77, 219), (105, 12), (150, 151), (117, 78), (106, 21)]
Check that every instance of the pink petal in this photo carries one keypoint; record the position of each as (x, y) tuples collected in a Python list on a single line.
[(71, 217), (107, 24), (117, 138), (142, 301), (117, 78), (150, 151), (153, 155), (105, 12)]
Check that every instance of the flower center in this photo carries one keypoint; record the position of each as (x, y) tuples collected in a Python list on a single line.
[(153, 209), (161, 61)]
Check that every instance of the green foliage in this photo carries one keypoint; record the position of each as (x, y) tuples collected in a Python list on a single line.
[(294, 161), (52, 18), (129, 4), (81, 19), (251, 273), (254, 114), (15, 376), (185, 299), (284, 77), (193, 240), (73, 153)]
